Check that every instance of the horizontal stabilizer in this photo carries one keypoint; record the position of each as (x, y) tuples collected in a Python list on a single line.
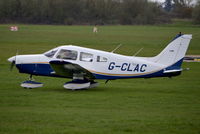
[(172, 71)]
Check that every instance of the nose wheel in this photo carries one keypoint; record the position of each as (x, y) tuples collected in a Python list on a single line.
[(31, 83)]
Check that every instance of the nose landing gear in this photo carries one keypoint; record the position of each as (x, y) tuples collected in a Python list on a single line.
[(30, 83)]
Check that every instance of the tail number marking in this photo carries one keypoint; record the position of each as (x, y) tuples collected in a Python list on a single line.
[(128, 67)]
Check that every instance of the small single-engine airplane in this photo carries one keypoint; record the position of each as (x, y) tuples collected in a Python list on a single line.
[(84, 65)]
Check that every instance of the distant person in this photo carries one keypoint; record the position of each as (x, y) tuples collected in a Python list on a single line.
[(95, 29)]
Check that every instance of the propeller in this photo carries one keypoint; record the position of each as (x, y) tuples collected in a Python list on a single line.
[(13, 61), (12, 65)]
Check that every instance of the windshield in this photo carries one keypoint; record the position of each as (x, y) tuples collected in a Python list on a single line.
[(51, 53)]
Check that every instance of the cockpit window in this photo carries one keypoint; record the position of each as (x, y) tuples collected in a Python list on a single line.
[(101, 59), (67, 54), (51, 53), (86, 57)]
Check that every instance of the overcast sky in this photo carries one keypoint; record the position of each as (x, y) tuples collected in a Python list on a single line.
[(161, 1), (158, 0)]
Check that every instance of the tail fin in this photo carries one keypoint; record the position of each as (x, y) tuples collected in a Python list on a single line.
[(174, 52)]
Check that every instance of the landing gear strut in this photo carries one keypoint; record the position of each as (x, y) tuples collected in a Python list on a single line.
[(31, 78)]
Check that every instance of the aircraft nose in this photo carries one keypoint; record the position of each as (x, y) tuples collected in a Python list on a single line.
[(11, 59)]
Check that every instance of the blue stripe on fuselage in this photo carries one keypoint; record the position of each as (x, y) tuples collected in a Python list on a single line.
[(159, 73), (155, 74), (36, 69), (46, 70)]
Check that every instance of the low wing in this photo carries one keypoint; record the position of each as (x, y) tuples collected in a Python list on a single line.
[(68, 69)]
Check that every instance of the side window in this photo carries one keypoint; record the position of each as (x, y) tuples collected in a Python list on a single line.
[(67, 54), (86, 57), (101, 59)]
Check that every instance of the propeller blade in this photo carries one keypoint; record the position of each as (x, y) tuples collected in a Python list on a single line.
[(12, 65), (13, 62)]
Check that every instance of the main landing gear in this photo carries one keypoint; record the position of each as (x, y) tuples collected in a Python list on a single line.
[(80, 82), (77, 84)]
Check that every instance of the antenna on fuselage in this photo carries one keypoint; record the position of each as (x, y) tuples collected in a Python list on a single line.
[(138, 51), (116, 48)]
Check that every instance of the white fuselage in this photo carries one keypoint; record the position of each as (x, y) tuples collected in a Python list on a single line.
[(84, 65), (99, 63)]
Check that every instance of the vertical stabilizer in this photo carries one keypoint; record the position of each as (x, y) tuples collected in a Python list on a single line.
[(174, 52)]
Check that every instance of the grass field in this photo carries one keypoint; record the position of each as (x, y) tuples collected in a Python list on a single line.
[(139, 106)]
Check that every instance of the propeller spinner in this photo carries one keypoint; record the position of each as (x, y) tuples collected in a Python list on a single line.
[(13, 61)]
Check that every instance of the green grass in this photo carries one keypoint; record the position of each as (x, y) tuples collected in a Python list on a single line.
[(139, 106), (182, 23)]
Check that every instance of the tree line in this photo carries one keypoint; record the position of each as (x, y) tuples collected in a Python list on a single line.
[(81, 12), (196, 13), (93, 12), (189, 9)]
